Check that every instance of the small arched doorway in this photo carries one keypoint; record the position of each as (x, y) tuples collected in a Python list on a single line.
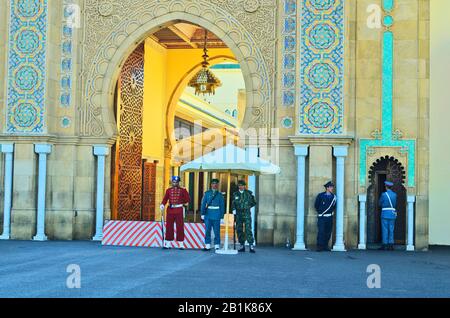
[(385, 168)]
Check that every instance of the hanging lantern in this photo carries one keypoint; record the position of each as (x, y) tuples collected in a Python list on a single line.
[(205, 82)]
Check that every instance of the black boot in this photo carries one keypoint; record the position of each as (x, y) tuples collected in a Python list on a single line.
[(242, 249), (391, 247), (382, 248), (252, 250)]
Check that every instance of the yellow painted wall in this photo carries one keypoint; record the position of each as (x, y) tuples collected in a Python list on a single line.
[(155, 100), (164, 69), (439, 213)]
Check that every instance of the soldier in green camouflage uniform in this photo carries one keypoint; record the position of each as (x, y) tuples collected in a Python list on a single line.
[(243, 201)]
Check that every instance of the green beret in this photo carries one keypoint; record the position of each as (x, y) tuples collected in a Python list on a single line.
[(242, 182), (214, 181)]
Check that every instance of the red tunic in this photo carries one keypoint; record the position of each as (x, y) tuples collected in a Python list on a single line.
[(175, 196)]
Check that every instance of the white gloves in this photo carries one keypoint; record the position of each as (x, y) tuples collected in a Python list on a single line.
[(161, 207), (234, 212), (203, 217)]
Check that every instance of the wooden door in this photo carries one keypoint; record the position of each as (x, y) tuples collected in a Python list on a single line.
[(149, 191), (128, 163)]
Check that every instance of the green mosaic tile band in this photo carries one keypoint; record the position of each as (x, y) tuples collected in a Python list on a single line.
[(387, 139)]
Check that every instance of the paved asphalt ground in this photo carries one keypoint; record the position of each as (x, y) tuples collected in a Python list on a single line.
[(38, 269)]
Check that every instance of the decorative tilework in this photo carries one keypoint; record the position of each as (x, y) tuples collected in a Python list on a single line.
[(387, 84), (27, 66), (322, 65), (408, 147), (287, 122), (321, 113), (289, 86), (387, 137), (388, 5), (65, 122), (388, 21), (67, 32)]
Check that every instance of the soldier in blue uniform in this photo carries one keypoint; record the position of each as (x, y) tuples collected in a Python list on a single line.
[(212, 210), (388, 203), (325, 205)]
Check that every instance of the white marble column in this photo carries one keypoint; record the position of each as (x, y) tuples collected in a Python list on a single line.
[(362, 221), (340, 152), (411, 199), (8, 150), (101, 151), (42, 150), (301, 151)]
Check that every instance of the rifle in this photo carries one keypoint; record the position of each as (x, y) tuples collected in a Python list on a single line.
[(162, 228), (234, 231)]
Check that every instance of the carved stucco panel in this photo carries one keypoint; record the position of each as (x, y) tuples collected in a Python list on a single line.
[(247, 27)]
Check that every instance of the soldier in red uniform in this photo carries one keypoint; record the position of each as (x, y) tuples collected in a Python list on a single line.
[(177, 197)]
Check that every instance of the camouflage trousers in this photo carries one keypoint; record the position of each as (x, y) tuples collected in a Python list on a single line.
[(244, 226)]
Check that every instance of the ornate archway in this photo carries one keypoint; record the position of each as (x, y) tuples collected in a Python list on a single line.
[(112, 34), (133, 184), (386, 168)]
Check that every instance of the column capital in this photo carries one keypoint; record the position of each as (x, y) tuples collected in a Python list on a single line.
[(301, 150), (340, 151), (101, 150), (7, 148), (43, 148), (362, 198), (411, 198)]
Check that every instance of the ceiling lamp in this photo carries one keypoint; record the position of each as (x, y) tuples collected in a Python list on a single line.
[(205, 82)]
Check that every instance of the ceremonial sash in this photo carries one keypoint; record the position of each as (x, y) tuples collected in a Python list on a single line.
[(390, 203), (332, 202), (212, 198)]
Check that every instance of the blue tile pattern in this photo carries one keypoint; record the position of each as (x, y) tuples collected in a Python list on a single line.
[(289, 83), (27, 46), (67, 33), (322, 67), (287, 122)]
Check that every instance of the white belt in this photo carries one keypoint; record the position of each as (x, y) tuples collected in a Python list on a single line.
[(391, 209), (326, 215), (176, 205), (214, 207)]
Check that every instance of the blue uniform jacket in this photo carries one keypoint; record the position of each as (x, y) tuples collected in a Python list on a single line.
[(384, 203), (213, 214), (323, 201)]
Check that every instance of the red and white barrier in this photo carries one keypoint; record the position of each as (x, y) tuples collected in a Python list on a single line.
[(148, 234)]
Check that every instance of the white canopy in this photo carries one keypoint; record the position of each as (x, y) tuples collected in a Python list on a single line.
[(231, 158)]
